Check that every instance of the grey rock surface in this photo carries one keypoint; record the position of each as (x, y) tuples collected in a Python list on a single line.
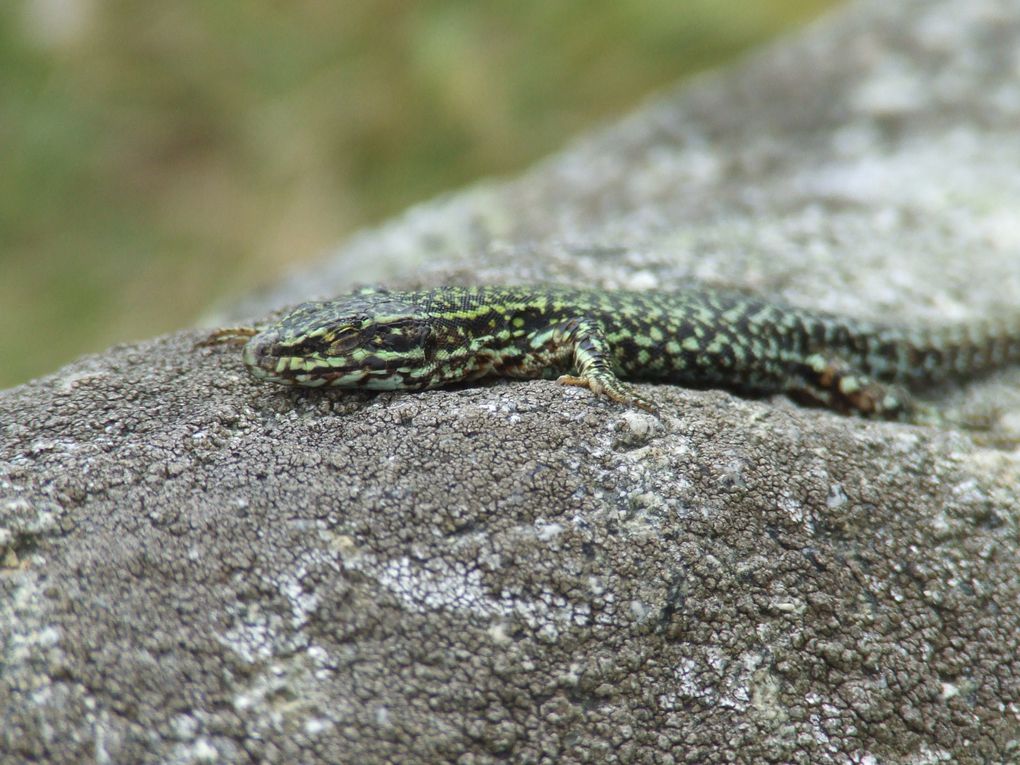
[(199, 568)]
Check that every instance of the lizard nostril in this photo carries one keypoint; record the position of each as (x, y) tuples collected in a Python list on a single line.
[(258, 354)]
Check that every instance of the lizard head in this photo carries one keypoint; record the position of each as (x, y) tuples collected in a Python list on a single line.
[(373, 340)]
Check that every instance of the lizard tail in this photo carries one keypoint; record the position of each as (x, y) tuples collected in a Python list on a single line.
[(927, 356)]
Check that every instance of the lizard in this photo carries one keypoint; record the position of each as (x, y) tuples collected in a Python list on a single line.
[(601, 339)]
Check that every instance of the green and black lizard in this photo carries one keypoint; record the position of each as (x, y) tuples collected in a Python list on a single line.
[(598, 338)]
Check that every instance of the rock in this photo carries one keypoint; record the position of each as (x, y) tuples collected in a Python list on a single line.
[(200, 568)]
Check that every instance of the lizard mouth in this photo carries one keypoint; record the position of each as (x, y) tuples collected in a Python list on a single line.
[(270, 360), (259, 357)]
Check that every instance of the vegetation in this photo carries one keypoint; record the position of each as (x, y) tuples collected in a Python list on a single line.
[(158, 155)]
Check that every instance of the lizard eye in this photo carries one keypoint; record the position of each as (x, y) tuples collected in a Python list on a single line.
[(344, 339)]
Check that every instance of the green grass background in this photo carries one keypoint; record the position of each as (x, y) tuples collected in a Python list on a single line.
[(157, 156)]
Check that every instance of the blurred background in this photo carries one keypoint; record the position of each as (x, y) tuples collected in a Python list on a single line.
[(158, 157)]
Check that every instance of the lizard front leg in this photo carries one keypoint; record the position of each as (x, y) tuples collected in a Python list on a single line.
[(592, 362), (229, 336)]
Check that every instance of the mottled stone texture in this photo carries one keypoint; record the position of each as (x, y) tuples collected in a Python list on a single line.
[(199, 568)]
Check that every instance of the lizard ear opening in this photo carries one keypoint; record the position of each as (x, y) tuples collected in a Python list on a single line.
[(428, 341), (404, 338)]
